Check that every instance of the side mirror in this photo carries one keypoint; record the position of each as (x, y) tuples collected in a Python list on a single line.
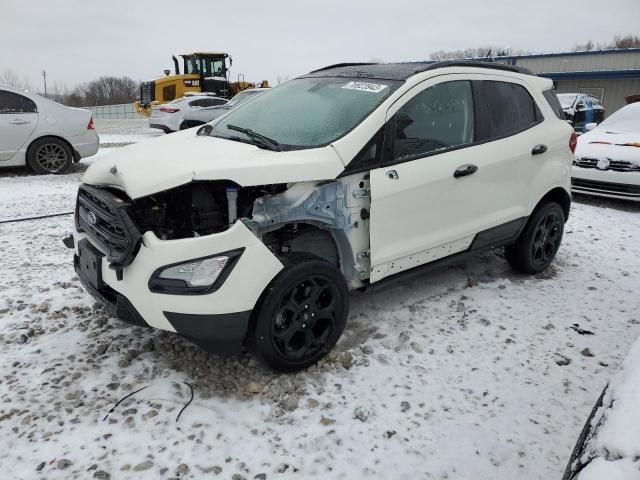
[(590, 126)]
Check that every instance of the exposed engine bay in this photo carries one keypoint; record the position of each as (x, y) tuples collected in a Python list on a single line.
[(329, 219), (195, 209)]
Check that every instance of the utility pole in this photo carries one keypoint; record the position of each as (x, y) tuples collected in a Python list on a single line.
[(44, 79)]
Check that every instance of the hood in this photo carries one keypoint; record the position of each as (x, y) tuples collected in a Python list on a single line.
[(615, 149), (169, 161)]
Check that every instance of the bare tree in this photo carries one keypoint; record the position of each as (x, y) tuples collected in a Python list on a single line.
[(9, 77), (625, 41), (475, 52), (108, 91)]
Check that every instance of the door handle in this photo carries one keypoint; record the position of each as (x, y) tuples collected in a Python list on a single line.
[(465, 170), (392, 175), (18, 121), (539, 149)]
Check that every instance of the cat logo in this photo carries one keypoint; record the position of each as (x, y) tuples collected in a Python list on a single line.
[(191, 83)]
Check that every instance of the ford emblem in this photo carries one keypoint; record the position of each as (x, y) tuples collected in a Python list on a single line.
[(91, 218)]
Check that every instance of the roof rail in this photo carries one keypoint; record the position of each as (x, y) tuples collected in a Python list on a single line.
[(474, 63), (338, 65)]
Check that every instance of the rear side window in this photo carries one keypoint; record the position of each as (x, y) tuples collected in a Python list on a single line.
[(13, 103), (510, 108), (554, 103), (207, 102), (438, 118)]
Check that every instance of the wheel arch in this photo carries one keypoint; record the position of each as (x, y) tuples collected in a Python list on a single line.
[(560, 196)]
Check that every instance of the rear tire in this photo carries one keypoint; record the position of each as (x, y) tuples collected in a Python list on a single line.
[(537, 245), (301, 314), (49, 155)]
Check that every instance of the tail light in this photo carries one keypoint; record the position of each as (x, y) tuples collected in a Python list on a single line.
[(169, 110), (573, 142), (90, 124)]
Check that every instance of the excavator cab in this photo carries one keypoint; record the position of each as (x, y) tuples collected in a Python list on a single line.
[(201, 72), (211, 68)]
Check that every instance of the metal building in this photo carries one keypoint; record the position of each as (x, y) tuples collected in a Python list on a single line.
[(611, 75)]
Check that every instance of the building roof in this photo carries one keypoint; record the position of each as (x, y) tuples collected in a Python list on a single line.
[(611, 51)]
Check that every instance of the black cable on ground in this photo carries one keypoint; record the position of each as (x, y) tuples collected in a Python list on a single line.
[(188, 403), (15, 220), (122, 400)]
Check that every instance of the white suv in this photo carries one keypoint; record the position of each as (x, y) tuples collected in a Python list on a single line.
[(254, 228)]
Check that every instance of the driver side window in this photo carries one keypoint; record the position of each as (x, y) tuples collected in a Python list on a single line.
[(438, 118)]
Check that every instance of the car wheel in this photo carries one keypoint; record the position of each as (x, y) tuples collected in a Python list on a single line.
[(49, 156), (538, 244), (190, 124), (301, 314)]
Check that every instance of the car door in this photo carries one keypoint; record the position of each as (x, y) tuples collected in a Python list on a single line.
[(18, 120), (445, 176)]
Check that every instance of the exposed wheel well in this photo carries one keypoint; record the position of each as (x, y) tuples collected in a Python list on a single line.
[(304, 238), (560, 196)]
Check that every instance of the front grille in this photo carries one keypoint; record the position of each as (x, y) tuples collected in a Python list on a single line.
[(625, 190), (615, 165), (103, 217)]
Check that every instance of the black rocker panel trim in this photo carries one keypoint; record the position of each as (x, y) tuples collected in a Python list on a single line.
[(489, 239), (500, 235)]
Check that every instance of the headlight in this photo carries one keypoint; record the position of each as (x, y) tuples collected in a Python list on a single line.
[(194, 277)]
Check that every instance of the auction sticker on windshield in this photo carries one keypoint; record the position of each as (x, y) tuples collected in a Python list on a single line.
[(365, 87)]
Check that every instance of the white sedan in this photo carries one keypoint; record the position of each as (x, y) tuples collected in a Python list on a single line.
[(42, 134), (607, 158), (168, 117)]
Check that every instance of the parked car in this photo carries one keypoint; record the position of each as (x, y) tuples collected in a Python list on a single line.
[(42, 134), (205, 115), (581, 109), (169, 116), (608, 447), (255, 227), (607, 162)]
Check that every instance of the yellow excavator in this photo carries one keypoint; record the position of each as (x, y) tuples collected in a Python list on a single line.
[(201, 72)]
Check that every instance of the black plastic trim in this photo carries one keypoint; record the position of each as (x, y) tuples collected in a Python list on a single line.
[(489, 239), (114, 303), (500, 235), (213, 332), (169, 286)]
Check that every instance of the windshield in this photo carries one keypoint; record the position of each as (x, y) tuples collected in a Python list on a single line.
[(242, 97), (566, 99), (625, 120), (307, 112)]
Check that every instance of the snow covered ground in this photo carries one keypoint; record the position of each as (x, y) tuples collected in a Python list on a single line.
[(116, 133), (468, 372)]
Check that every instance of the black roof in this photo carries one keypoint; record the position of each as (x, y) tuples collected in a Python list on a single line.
[(402, 71)]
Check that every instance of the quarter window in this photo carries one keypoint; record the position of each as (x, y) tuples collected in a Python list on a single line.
[(510, 108), (552, 99), (13, 103), (438, 118)]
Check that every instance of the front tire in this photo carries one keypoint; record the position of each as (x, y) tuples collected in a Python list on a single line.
[(538, 244), (49, 155), (301, 315)]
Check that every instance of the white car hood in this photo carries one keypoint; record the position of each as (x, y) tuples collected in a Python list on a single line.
[(613, 151), (173, 160)]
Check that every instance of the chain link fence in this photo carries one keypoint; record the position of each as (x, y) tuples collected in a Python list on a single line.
[(124, 111)]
